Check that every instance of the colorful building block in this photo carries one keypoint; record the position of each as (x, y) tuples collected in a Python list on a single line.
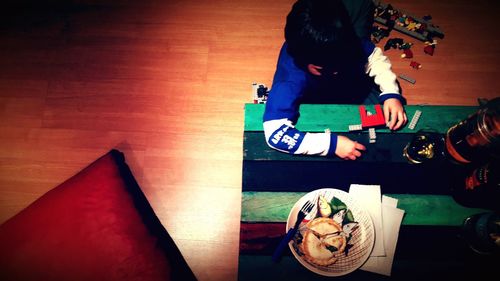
[(373, 120)]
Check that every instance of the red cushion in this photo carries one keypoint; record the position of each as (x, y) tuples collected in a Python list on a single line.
[(97, 225)]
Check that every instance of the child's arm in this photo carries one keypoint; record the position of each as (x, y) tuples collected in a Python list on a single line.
[(282, 113), (282, 135), (379, 67)]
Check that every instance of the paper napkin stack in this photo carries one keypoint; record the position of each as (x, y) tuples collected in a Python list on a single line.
[(386, 219)]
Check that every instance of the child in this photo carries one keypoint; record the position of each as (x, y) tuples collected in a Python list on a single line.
[(328, 57)]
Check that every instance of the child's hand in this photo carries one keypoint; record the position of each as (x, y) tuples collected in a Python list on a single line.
[(348, 149), (394, 114)]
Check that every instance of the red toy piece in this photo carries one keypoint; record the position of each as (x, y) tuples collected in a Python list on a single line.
[(368, 121), (429, 49), (407, 53), (415, 64)]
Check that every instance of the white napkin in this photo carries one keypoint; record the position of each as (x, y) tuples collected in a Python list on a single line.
[(392, 218), (369, 197)]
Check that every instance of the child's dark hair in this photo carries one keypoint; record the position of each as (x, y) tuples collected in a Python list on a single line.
[(320, 32)]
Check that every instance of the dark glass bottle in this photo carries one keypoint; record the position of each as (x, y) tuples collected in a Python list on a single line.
[(482, 232), (480, 187), (476, 137), (483, 177)]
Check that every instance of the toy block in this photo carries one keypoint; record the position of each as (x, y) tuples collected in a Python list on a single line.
[(407, 53), (415, 64), (393, 43), (260, 93), (420, 28), (407, 78), (429, 49), (373, 120), (254, 92), (378, 33), (405, 45), (372, 135), (356, 127), (414, 119)]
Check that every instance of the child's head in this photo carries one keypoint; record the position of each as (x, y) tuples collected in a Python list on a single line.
[(320, 32)]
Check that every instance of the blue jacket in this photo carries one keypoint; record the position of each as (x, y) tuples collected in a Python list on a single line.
[(293, 86)]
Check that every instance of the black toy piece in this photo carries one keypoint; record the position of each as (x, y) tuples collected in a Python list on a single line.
[(379, 33), (393, 43)]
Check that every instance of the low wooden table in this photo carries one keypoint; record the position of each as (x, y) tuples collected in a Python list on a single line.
[(429, 243), (383, 162)]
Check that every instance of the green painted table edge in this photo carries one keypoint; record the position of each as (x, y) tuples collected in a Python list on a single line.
[(338, 117), (419, 209)]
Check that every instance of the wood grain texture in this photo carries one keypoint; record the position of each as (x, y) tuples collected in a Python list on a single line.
[(166, 83)]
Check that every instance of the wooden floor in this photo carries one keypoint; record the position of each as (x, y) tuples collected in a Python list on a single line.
[(165, 82)]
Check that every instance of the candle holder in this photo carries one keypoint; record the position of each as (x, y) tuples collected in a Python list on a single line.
[(424, 146)]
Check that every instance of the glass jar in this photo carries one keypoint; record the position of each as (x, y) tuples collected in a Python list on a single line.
[(476, 137), (482, 232), (424, 146)]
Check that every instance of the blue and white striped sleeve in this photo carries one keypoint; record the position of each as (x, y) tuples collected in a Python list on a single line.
[(282, 135), (282, 113)]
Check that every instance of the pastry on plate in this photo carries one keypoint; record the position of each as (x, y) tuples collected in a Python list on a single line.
[(323, 240)]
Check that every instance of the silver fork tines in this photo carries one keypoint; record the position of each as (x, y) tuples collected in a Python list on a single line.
[(306, 208)]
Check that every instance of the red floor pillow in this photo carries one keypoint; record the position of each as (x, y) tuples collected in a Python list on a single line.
[(98, 225)]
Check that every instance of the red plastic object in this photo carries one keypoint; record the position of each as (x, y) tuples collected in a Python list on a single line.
[(429, 49), (415, 65), (407, 53), (374, 120)]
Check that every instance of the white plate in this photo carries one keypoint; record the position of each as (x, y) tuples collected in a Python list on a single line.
[(362, 239)]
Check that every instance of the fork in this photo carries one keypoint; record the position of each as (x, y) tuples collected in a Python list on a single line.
[(306, 208)]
